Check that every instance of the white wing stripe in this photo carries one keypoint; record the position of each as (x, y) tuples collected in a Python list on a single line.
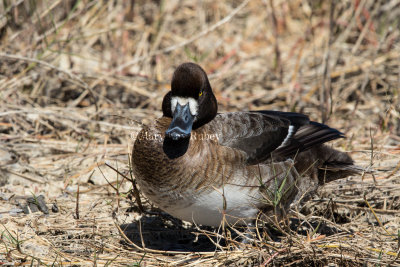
[(288, 136)]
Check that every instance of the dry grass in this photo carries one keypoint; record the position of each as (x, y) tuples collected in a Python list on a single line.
[(78, 77)]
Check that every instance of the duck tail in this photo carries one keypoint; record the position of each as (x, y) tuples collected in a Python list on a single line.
[(313, 157), (334, 164)]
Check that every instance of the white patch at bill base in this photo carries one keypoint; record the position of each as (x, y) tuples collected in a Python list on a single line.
[(193, 105)]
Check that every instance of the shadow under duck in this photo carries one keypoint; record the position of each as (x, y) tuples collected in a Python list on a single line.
[(202, 166)]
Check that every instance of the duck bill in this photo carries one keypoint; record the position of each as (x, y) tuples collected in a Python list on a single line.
[(182, 122)]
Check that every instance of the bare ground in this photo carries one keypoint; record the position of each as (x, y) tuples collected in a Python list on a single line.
[(78, 78)]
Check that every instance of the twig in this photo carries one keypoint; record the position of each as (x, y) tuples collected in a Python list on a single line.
[(278, 63), (77, 204), (25, 177), (376, 217), (326, 84), (393, 171), (136, 193), (272, 257), (372, 154)]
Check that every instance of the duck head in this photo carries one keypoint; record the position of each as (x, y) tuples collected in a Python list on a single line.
[(190, 103)]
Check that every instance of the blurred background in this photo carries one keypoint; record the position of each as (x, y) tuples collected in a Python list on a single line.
[(78, 78), (340, 57)]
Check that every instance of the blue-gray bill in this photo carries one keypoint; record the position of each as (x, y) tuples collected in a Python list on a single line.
[(182, 122)]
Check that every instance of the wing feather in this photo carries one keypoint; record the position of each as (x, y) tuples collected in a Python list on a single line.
[(256, 134), (265, 134)]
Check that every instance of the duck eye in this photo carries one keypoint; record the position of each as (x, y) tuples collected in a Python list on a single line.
[(201, 93)]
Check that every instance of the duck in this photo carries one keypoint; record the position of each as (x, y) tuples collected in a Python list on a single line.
[(215, 169)]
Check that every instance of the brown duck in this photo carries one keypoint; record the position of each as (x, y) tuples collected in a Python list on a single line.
[(207, 167)]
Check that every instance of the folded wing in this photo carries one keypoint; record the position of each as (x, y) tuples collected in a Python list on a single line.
[(265, 134)]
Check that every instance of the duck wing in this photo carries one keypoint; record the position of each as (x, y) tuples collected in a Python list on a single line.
[(270, 134), (254, 133)]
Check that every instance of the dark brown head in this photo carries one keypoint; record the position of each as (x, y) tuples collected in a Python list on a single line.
[(190, 103)]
